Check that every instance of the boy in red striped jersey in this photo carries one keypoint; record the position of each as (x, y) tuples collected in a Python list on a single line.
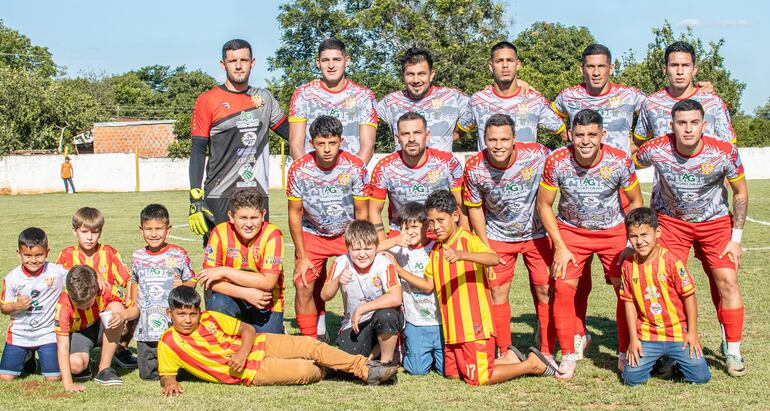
[(218, 348), (457, 271), (661, 310)]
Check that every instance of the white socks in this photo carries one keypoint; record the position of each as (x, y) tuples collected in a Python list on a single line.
[(734, 348), (322, 324)]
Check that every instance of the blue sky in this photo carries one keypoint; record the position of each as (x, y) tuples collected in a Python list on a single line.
[(89, 36)]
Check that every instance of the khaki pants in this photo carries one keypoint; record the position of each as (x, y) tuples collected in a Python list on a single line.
[(301, 360)]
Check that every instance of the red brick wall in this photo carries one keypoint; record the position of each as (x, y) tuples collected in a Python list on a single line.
[(152, 139)]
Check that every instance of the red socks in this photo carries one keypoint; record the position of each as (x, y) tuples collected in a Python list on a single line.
[(564, 315), (501, 317), (547, 330), (622, 324), (581, 299), (732, 320), (308, 324)]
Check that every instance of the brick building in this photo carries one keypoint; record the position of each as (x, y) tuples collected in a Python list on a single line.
[(152, 137)]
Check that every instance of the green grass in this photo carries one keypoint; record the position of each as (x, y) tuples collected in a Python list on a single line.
[(596, 386)]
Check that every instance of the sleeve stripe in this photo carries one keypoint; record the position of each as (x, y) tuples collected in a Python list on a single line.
[(638, 164), (641, 138), (472, 204), (456, 188), (562, 128), (466, 130), (732, 180), (297, 120), (381, 200), (547, 186), (556, 110), (631, 187), (295, 198), (368, 124), (360, 197)]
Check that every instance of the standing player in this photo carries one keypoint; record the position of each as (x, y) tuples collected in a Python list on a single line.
[(440, 106), (336, 96), (680, 68), (528, 109), (411, 174), (231, 122), (326, 190), (500, 190), (588, 175), (691, 200)]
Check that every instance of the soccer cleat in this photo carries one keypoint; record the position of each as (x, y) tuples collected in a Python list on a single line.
[(125, 359), (581, 345), (550, 366), (664, 368), (622, 360), (567, 368), (108, 376), (736, 365), (380, 372)]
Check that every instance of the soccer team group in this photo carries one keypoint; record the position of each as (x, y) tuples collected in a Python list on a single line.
[(431, 292)]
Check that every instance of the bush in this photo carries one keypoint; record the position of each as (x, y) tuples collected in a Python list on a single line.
[(752, 131), (180, 148)]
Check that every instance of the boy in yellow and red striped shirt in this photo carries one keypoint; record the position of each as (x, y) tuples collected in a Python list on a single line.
[(457, 271), (659, 294)]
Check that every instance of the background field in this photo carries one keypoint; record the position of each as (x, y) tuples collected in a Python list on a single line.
[(596, 386)]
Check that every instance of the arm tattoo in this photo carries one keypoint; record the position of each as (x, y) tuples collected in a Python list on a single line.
[(740, 209)]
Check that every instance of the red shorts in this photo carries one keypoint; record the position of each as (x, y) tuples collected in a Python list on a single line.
[(624, 201), (708, 238), (319, 250), (538, 254), (474, 361), (582, 243)]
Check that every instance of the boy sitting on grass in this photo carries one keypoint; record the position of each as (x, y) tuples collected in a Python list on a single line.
[(659, 294), (218, 348), (371, 295), (457, 271)]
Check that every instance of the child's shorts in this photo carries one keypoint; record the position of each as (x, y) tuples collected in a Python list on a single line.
[(14, 357), (424, 349), (473, 361), (86, 340), (147, 353)]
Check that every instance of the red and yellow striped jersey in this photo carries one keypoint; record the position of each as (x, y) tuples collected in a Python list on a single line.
[(263, 254), (105, 261), (462, 289), (69, 319), (205, 352), (657, 289)]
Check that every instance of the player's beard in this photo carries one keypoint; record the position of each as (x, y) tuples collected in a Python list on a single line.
[(421, 95), (504, 84), (238, 80)]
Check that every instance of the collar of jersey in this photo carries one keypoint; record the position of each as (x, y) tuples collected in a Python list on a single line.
[(598, 161), (30, 274), (159, 252)]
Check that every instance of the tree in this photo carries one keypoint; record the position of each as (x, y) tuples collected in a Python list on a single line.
[(763, 111), (69, 108), (17, 52)]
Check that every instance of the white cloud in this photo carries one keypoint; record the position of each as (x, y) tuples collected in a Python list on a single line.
[(732, 23), (689, 22)]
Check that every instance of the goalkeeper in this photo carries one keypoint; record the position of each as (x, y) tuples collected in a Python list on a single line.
[(231, 122)]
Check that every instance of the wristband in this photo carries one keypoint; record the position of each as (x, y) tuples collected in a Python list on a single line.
[(737, 235)]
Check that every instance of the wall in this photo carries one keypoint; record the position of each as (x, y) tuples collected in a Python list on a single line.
[(151, 138), (116, 172)]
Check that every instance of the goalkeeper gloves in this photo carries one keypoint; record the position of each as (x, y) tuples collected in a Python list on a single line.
[(199, 212)]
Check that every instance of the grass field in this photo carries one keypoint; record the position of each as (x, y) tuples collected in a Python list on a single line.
[(596, 385)]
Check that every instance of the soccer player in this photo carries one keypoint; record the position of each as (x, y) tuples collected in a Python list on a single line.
[(326, 190), (411, 174), (457, 272), (680, 68), (231, 122), (441, 106), (692, 204), (588, 174), (500, 190), (505, 96), (661, 310), (336, 96)]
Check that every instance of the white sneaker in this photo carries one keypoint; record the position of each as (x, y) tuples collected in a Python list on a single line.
[(581, 344), (621, 361)]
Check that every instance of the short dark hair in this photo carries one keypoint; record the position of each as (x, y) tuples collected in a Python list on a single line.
[(687, 105), (326, 126), (235, 44), (184, 297), (414, 55), (502, 45), (331, 43), (82, 284), (442, 201), (412, 212), (32, 237), (154, 212), (596, 49), (587, 117), (246, 197), (411, 115), (679, 47), (642, 216), (500, 120)]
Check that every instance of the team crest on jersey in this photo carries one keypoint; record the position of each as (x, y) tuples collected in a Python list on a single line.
[(614, 101), (171, 262), (376, 282), (662, 278), (258, 101), (706, 168), (344, 179), (434, 175), (436, 104), (212, 328), (350, 102), (103, 268), (605, 172), (255, 251), (49, 282), (527, 173)]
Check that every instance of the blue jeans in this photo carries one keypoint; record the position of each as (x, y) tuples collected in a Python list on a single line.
[(695, 370), (264, 321), (424, 348), (68, 181), (12, 362)]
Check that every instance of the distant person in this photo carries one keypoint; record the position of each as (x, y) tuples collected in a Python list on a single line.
[(66, 175)]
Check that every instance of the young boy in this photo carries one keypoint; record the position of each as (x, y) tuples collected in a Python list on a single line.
[(409, 253), (78, 327), (155, 270), (243, 265), (87, 224), (371, 295), (659, 294), (217, 348), (457, 271), (29, 297)]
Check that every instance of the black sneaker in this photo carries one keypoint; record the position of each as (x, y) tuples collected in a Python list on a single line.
[(108, 376), (380, 372), (83, 376), (324, 338), (125, 359)]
